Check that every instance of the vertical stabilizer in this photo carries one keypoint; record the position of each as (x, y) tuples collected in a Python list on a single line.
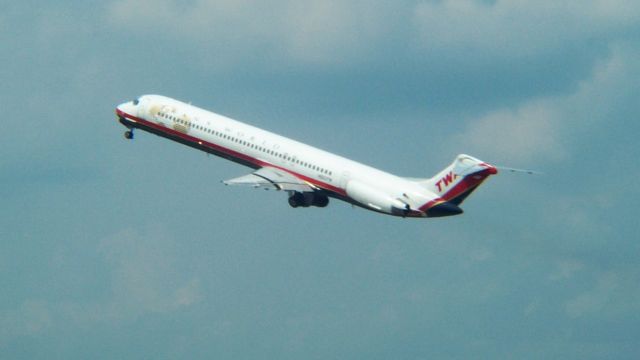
[(459, 179)]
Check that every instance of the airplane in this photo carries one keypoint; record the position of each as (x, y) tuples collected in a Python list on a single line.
[(309, 175)]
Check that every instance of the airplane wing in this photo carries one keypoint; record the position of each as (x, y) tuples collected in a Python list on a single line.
[(272, 178)]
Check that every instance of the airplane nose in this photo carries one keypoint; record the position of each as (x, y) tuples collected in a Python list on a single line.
[(127, 108), (444, 209)]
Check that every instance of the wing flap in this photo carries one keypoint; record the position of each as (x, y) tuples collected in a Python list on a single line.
[(271, 178), (252, 181)]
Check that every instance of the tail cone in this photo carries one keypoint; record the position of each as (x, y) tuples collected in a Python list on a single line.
[(444, 209)]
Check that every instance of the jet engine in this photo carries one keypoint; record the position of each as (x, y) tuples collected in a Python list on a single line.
[(375, 199)]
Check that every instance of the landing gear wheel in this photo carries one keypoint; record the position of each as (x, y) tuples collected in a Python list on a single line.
[(128, 134), (297, 199), (320, 201)]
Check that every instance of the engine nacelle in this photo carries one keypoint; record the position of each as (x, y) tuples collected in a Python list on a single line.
[(374, 198)]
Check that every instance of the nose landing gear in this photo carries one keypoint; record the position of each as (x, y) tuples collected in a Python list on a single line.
[(129, 133)]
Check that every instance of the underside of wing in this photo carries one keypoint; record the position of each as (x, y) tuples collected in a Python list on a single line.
[(272, 178)]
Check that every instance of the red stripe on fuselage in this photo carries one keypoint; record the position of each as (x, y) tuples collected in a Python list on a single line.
[(230, 152)]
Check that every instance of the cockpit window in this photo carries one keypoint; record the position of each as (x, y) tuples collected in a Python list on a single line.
[(136, 101)]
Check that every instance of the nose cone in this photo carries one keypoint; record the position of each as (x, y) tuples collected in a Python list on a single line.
[(444, 209), (127, 108)]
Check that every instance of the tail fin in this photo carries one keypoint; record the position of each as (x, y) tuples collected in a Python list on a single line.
[(459, 179)]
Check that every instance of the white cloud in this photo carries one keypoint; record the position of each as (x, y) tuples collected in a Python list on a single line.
[(578, 215), (312, 32), (613, 296), (328, 31), (31, 318), (546, 129), (222, 31), (517, 28), (481, 255), (595, 300), (566, 269), (188, 294), (331, 32), (532, 307), (612, 87), (146, 276), (515, 136)]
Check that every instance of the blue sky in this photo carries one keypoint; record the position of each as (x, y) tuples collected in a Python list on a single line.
[(115, 249)]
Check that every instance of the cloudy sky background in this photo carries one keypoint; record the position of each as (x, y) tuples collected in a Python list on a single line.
[(117, 249)]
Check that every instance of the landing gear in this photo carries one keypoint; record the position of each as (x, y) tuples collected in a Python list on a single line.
[(297, 199), (320, 201), (128, 134), (307, 199)]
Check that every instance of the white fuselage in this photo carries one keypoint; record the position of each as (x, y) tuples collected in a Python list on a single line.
[(259, 148)]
